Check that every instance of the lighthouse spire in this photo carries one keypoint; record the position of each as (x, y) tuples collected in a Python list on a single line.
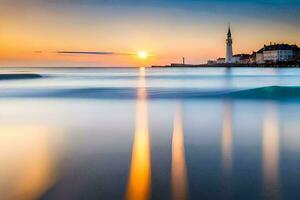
[(229, 51), (229, 31)]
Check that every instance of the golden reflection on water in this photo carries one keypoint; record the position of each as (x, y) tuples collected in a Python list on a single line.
[(227, 140), (227, 151), (139, 183), (179, 171), (271, 148), (27, 167)]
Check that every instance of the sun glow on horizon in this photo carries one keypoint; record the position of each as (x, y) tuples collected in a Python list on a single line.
[(142, 54)]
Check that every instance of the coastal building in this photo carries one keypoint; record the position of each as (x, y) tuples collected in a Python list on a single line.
[(239, 59), (297, 58), (220, 60), (274, 53), (297, 52), (259, 56), (278, 53), (243, 58), (229, 51), (253, 57), (211, 62), (235, 59)]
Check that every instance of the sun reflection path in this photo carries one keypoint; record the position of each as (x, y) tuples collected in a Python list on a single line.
[(271, 148), (139, 184), (179, 171), (227, 151), (227, 140)]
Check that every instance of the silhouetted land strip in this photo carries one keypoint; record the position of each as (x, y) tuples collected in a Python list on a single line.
[(19, 76), (227, 65)]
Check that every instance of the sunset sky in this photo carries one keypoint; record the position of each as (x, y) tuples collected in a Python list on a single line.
[(32, 31)]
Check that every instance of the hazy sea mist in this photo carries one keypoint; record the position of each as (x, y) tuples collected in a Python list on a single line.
[(181, 133)]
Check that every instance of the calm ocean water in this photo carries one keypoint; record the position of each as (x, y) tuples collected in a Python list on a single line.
[(141, 134)]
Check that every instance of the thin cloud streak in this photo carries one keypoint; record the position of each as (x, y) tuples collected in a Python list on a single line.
[(95, 53)]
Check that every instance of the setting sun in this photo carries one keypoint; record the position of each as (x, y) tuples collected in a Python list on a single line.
[(142, 54)]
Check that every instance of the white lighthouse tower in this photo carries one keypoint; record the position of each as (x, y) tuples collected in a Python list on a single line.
[(229, 52)]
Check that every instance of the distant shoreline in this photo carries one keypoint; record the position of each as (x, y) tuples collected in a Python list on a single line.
[(232, 65), (19, 76), (153, 66)]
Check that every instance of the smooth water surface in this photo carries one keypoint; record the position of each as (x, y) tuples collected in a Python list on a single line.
[(141, 134)]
